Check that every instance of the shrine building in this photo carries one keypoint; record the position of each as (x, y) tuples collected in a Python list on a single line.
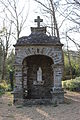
[(38, 68)]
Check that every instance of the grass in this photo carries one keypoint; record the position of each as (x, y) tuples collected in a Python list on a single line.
[(4, 88)]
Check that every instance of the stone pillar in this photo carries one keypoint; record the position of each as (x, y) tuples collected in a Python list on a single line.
[(25, 92), (57, 78), (57, 91), (25, 77), (18, 90)]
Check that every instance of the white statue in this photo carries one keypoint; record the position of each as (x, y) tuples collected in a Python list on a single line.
[(39, 74)]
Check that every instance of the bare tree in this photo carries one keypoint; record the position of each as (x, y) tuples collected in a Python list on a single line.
[(5, 35), (13, 24), (71, 12), (69, 57), (15, 15), (49, 8)]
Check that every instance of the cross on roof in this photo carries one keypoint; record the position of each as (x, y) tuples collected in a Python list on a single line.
[(38, 20)]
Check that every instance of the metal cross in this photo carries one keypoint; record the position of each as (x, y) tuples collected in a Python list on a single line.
[(38, 20)]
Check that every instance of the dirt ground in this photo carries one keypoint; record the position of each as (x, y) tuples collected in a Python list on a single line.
[(70, 110)]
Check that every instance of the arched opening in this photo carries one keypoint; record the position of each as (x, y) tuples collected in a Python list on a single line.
[(37, 75)]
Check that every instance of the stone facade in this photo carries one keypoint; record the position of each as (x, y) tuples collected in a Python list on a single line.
[(32, 52)]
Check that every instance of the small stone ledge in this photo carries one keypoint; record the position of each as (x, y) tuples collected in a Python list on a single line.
[(37, 101), (57, 92), (38, 29), (56, 99)]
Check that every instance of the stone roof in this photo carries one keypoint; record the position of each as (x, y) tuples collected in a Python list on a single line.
[(38, 36)]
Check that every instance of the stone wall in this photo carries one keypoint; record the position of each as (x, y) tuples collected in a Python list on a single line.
[(21, 67), (53, 51)]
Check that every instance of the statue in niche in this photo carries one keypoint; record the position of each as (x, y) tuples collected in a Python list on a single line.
[(39, 80), (39, 75)]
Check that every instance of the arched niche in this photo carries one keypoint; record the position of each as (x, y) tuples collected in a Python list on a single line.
[(33, 88)]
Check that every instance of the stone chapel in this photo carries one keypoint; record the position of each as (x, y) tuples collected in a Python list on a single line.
[(38, 68)]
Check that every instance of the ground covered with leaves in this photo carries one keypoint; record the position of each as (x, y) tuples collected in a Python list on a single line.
[(70, 110)]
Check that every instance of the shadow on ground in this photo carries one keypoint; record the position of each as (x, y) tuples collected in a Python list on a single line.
[(69, 110)]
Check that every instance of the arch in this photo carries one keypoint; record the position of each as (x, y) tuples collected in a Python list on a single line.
[(54, 54), (31, 65), (46, 51), (27, 57)]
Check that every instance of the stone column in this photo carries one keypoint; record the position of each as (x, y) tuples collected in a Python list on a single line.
[(25, 92), (57, 91), (57, 77), (18, 90), (25, 77)]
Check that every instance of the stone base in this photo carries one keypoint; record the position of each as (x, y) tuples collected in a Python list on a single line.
[(37, 101), (18, 101), (57, 97), (18, 97)]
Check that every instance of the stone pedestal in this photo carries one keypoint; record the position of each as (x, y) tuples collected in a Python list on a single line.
[(57, 95), (18, 96)]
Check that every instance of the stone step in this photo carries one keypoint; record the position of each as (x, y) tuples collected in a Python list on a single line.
[(37, 102)]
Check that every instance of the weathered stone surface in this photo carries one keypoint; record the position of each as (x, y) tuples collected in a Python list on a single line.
[(38, 50), (38, 38)]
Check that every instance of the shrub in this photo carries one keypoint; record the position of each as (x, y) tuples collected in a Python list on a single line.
[(72, 85), (3, 86)]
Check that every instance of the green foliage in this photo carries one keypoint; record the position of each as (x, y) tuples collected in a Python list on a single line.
[(9, 88), (72, 85), (3, 86), (1, 55), (75, 64)]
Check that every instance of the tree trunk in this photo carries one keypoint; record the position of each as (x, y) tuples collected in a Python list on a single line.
[(69, 58), (3, 65)]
